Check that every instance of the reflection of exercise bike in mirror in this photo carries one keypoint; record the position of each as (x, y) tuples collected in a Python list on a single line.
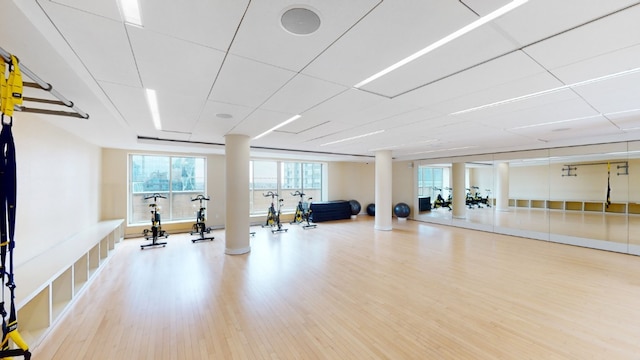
[(472, 200), (486, 200), (303, 211), (199, 227), (273, 215), (156, 228), (440, 202)]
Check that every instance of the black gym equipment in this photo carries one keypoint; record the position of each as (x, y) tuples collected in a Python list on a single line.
[(8, 198), (156, 227), (200, 227), (273, 215), (470, 200), (486, 200), (303, 211), (440, 202)]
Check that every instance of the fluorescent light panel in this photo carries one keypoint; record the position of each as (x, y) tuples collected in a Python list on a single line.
[(549, 91), (405, 145), (472, 26), (440, 150), (353, 138), (290, 120), (131, 12), (152, 101), (555, 122)]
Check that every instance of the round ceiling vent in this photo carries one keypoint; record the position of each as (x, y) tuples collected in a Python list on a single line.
[(300, 21)]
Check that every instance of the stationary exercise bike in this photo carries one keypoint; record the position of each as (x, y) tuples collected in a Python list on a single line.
[(440, 202), (273, 215), (199, 227), (303, 212), (156, 228)]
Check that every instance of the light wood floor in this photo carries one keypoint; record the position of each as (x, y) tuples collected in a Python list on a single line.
[(346, 291)]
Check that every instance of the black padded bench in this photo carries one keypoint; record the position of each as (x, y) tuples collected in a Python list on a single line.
[(330, 210)]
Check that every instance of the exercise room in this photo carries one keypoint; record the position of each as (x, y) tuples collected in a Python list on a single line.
[(370, 179)]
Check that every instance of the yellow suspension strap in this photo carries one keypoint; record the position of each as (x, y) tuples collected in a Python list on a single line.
[(8, 186), (3, 86)]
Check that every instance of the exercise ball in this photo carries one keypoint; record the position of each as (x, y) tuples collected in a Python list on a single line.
[(355, 207), (401, 210), (371, 209)]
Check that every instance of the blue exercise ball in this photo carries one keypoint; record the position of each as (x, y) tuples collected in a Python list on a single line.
[(371, 209), (401, 210), (355, 207)]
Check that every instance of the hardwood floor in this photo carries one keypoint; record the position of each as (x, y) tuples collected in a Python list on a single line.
[(347, 291)]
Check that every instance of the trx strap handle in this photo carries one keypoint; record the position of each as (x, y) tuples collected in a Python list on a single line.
[(12, 95)]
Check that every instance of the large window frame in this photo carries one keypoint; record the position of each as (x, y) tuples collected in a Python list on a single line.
[(178, 177), (285, 178)]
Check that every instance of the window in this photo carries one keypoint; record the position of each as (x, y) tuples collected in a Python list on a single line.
[(178, 178), (283, 178), (432, 181)]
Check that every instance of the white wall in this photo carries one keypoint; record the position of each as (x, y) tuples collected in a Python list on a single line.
[(58, 185), (352, 181)]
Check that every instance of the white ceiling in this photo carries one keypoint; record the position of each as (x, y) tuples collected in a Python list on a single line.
[(211, 57)]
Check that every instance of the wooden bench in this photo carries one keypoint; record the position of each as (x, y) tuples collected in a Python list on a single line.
[(47, 284)]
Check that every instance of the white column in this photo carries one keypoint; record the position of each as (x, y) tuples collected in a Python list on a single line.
[(458, 173), (502, 193), (237, 191), (384, 168)]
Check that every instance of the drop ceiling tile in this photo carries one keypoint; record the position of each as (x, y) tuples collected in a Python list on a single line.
[(600, 37), (188, 68), (590, 127), (626, 121), (261, 36), (466, 52), (132, 104), (540, 19), (246, 82), (211, 23), (600, 66), (510, 91), (613, 95), (391, 32), (484, 7), (258, 122), (104, 8), (101, 43), (302, 93), (564, 106), (211, 127), (508, 69)]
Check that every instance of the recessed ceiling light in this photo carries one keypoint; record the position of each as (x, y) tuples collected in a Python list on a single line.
[(152, 101), (551, 91), (288, 121), (454, 35), (224, 116), (561, 129), (131, 12), (353, 138), (300, 21)]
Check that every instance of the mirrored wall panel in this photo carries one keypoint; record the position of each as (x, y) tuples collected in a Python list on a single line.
[(584, 195)]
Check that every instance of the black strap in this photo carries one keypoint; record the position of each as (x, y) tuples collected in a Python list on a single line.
[(8, 197)]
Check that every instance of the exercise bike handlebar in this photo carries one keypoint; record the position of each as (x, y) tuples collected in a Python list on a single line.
[(155, 196), (298, 193), (270, 193), (201, 197)]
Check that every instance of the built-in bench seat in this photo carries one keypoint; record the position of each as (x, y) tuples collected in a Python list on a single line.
[(48, 283)]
